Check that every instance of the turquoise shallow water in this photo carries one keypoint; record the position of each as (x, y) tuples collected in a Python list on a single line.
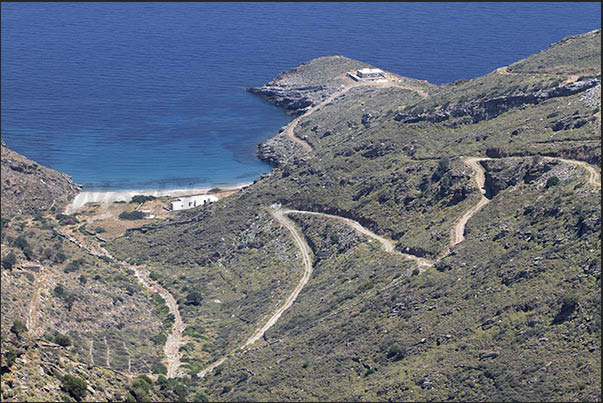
[(151, 95)]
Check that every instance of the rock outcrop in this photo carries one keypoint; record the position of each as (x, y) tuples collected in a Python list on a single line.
[(28, 186), (277, 150), (489, 108), (297, 100)]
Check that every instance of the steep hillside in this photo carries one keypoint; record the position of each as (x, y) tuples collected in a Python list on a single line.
[(413, 242), (29, 187), (504, 303)]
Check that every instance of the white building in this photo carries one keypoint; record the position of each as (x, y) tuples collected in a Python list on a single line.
[(370, 73), (367, 74), (187, 202)]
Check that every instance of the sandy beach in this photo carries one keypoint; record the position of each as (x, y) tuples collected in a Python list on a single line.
[(109, 197)]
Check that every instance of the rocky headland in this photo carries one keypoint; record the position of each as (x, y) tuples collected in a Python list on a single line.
[(412, 243)]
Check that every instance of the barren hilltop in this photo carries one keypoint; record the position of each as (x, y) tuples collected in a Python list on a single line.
[(413, 242)]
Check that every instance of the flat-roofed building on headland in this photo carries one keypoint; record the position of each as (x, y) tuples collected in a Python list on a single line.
[(187, 202), (367, 74)]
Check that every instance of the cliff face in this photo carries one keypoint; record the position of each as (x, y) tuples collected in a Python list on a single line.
[(28, 186)]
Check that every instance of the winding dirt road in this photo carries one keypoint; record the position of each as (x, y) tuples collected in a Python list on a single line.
[(306, 253), (281, 216), (457, 236), (594, 178), (389, 83), (388, 244), (175, 338), (458, 232)]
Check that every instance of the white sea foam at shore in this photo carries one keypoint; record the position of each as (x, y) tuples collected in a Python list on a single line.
[(109, 197)]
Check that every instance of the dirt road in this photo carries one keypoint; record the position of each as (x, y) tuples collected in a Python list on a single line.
[(175, 338), (458, 232), (32, 321), (457, 235), (594, 178), (388, 245), (306, 254), (389, 83), (281, 216)]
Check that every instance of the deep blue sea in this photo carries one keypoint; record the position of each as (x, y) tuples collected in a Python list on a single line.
[(151, 95)]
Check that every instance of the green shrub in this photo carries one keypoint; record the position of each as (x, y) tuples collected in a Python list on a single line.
[(200, 397), (194, 298), (139, 392), (214, 190), (73, 266), (4, 222), (552, 181), (143, 382), (168, 321), (11, 355), (162, 381), (62, 340), (47, 254), (140, 395), (569, 303), (18, 328), (159, 369), (76, 387), (396, 352), (29, 253), (82, 229), (570, 300), (444, 164), (59, 291), (9, 261), (141, 198), (20, 242), (180, 390), (133, 215), (366, 286), (100, 230), (60, 257), (193, 330)]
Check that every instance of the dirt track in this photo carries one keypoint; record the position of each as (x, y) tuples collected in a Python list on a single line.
[(390, 83), (174, 339), (458, 232)]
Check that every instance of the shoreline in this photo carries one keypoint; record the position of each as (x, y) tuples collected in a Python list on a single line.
[(110, 196)]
